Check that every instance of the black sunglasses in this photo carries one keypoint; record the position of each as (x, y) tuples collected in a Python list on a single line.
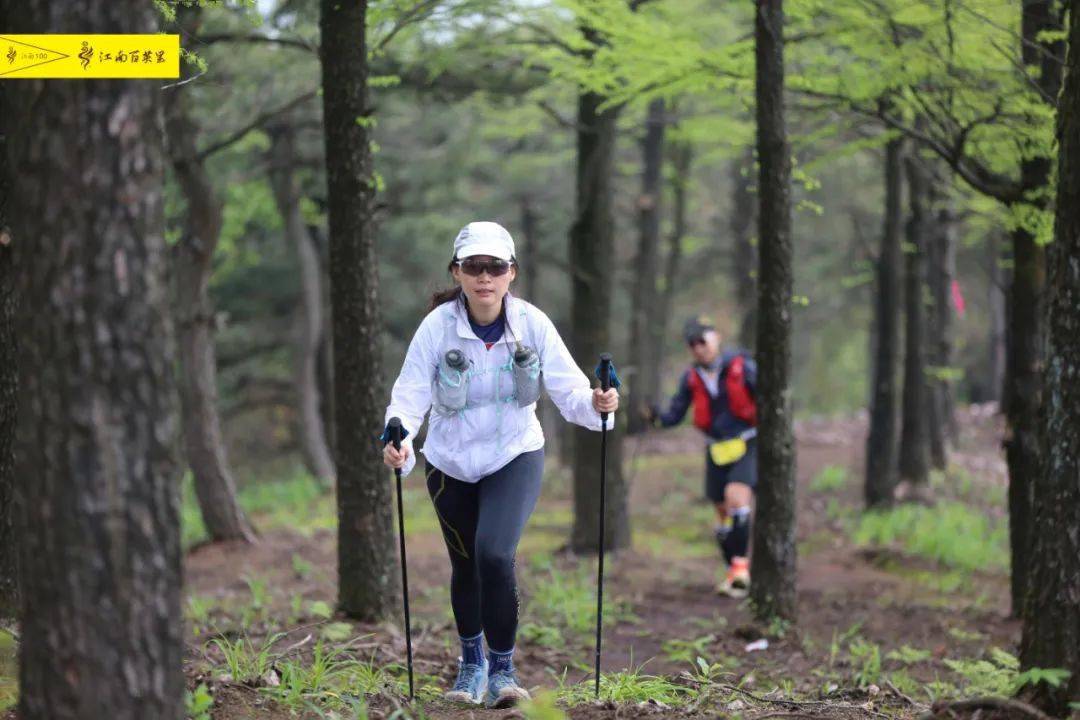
[(475, 268)]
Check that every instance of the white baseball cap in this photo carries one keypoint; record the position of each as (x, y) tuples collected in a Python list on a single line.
[(484, 238)]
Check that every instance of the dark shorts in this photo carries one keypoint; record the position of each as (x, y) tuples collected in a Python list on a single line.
[(717, 477)]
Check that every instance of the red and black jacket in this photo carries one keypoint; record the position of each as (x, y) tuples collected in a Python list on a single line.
[(728, 413)]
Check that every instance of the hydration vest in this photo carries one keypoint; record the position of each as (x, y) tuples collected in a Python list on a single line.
[(517, 380), (741, 402)]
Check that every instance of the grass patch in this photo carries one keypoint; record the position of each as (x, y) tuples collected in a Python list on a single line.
[(686, 650), (951, 534), (625, 686), (564, 601), (830, 479), (298, 502), (9, 675)]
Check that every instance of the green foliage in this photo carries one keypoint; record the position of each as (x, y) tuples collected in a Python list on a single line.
[(192, 528), (246, 661), (320, 609), (260, 595), (567, 600), (9, 681), (830, 479), (301, 567), (908, 655), (542, 707), (198, 703), (903, 682), (198, 612), (298, 503), (866, 661), (686, 650), (1053, 677), (949, 533), (996, 676), (965, 635), (541, 635), (630, 685), (337, 631)]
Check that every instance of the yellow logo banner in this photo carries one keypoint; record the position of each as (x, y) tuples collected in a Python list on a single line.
[(89, 56)]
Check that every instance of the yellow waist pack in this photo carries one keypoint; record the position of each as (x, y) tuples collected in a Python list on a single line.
[(726, 452)]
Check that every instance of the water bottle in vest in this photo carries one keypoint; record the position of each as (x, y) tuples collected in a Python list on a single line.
[(452, 382), (526, 376)]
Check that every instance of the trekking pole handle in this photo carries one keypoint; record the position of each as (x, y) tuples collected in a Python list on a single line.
[(605, 380), (394, 426), (605, 371)]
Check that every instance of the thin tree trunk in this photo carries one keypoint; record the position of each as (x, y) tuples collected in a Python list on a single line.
[(97, 481), (940, 271), (744, 256), (309, 320), (530, 265), (529, 277), (9, 579), (1051, 613), (682, 154), (325, 360), (947, 223), (646, 353), (192, 257), (914, 432), (996, 302), (1023, 384), (772, 593), (368, 583), (591, 249), (883, 441)]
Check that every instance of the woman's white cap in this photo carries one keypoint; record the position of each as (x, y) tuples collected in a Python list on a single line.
[(484, 238)]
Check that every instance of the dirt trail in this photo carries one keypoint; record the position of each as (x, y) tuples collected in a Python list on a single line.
[(843, 590)]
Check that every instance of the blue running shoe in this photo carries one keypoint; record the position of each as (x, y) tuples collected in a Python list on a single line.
[(503, 690), (471, 683)]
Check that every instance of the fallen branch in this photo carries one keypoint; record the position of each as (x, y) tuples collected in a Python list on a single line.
[(805, 703), (948, 709), (902, 696)]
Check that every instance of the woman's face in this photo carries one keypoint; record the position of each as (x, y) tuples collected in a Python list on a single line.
[(484, 290)]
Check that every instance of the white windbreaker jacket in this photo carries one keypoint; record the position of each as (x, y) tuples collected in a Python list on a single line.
[(474, 443)]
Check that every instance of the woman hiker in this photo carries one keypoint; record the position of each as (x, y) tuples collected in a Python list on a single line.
[(476, 362)]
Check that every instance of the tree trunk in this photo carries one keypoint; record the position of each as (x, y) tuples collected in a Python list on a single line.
[(529, 277), (192, 257), (882, 443), (368, 582), (325, 361), (682, 154), (591, 249), (9, 579), (645, 353), (97, 480), (999, 280), (940, 272), (309, 320), (772, 593), (1051, 612), (1023, 384), (744, 257), (530, 264), (914, 432)]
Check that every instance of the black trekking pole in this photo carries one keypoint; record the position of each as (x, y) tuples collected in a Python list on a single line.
[(394, 430), (604, 371)]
